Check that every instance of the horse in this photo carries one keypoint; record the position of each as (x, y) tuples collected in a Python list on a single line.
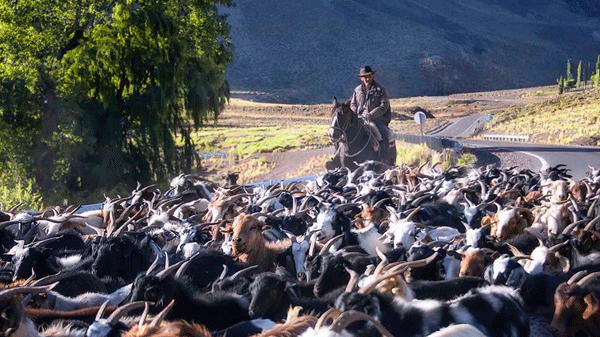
[(354, 139)]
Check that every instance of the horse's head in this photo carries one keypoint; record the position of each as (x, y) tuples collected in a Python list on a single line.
[(342, 117)]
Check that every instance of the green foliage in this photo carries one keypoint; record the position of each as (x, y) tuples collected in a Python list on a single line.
[(596, 76), (105, 87), (561, 85), (14, 191), (579, 69)]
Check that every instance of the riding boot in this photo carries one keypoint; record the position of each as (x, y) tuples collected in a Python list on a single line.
[(384, 144)]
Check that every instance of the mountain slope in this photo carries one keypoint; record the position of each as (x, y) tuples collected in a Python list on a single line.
[(309, 51)]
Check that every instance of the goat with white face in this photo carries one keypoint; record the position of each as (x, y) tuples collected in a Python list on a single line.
[(401, 232)]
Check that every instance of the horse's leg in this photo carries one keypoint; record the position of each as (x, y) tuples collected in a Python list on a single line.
[(392, 153)]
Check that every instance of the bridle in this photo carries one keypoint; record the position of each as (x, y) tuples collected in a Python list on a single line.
[(343, 139), (335, 125)]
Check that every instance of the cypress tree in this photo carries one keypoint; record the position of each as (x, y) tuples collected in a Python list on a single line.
[(569, 81), (561, 85), (578, 83), (596, 74)]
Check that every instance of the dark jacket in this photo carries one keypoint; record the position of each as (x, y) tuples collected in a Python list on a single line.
[(374, 102)]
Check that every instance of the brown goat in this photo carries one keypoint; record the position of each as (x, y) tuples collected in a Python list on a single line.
[(474, 262), (368, 216), (577, 308), (249, 245), (509, 222), (293, 327), (178, 328)]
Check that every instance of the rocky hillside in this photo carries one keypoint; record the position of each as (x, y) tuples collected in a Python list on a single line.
[(307, 51)]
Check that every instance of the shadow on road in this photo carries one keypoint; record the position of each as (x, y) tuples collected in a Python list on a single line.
[(484, 157)]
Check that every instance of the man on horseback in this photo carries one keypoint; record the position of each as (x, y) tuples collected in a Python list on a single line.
[(358, 142), (370, 100)]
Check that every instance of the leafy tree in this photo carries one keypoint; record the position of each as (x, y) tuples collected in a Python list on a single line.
[(111, 90)]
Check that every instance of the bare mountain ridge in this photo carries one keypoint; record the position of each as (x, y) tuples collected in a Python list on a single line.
[(308, 51)]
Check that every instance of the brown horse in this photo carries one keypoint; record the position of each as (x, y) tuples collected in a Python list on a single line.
[(353, 139)]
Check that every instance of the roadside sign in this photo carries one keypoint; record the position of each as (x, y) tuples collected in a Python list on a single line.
[(488, 118), (420, 117)]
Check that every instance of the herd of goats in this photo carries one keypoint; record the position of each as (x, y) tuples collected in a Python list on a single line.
[(379, 251)]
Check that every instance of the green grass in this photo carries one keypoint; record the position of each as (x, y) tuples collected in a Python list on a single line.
[(571, 118), (248, 141)]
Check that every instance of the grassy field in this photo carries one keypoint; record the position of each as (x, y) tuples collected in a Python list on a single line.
[(248, 133), (571, 119)]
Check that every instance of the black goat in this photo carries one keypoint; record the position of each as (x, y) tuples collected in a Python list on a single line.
[(333, 270), (216, 311), (272, 295), (496, 311), (123, 257)]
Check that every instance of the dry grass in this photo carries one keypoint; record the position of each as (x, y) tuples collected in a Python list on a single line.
[(247, 129)]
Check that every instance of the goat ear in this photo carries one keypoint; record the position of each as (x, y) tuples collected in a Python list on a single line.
[(226, 230), (11, 318), (593, 306)]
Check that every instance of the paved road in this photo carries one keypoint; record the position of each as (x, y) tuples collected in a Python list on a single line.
[(463, 127), (577, 158)]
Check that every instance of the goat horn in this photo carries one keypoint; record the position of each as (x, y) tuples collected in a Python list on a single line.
[(167, 271), (591, 224), (184, 266), (14, 208), (556, 247), (147, 188), (54, 278), (577, 276), (590, 212), (329, 244), (5, 295), (400, 268), (153, 266), (113, 319), (349, 317), (332, 314), (584, 282), (438, 243), (412, 214), (101, 310), (353, 280), (144, 315), (313, 245), (267, 215), (161, 315), (244, 272), (37, 244), (30, 279), (572, 226), (222, 276), (384, 261), (381, 202)]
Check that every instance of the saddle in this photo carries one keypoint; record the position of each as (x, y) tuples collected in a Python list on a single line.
[(376, 139)]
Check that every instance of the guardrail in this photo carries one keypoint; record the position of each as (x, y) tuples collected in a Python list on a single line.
[(517, 138), (438, 144)]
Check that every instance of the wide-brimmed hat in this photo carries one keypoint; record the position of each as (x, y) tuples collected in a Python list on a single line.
[(364, 71)]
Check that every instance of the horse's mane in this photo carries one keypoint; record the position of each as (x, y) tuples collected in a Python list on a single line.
[(346, 104)]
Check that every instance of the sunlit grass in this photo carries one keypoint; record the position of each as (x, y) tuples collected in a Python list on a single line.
[(564, 119), (248, 141)]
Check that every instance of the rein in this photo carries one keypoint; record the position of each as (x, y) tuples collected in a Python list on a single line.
[(344, 136)]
